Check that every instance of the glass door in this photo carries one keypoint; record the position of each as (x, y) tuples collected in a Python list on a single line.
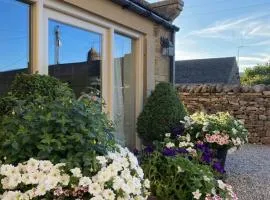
[(124, 89)]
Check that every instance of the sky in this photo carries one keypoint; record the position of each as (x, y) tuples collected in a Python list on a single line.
[(208, 28), (75, 42), (218, 28), (14, 35)]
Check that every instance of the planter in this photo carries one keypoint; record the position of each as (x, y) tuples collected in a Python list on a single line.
[(221, 155)]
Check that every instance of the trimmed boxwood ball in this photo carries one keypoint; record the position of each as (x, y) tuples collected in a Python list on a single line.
[(162, 111), (28, 87)]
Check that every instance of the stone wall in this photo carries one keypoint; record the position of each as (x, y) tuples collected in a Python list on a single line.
[(251, 104)]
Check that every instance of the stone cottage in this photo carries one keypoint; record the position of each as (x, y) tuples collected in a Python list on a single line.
[(131, 43)]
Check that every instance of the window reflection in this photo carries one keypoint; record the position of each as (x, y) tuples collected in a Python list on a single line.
[(14, 40), (75, 56)]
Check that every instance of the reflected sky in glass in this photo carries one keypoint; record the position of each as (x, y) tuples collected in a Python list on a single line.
[(74, 43), (122, 46), (14, 35)]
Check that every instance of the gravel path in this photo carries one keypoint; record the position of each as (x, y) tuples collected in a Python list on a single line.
[(248, 170)]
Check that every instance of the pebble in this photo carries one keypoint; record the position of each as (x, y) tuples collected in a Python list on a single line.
[(248, 171)]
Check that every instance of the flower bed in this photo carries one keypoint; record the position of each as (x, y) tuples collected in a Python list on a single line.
[(218, 130), (119, 177), (177, 174)]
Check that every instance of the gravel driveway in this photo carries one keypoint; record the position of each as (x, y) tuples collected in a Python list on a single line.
[(248, 170)]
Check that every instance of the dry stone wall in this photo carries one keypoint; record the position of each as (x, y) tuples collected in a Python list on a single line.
[(251, 104)]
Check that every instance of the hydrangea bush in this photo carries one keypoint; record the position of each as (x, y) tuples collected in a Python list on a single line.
[(218, 130), (119, 177)]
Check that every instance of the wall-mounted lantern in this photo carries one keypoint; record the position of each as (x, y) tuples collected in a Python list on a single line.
[(167, 47)]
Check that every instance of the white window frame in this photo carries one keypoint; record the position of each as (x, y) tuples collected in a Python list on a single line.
[(43, 10)]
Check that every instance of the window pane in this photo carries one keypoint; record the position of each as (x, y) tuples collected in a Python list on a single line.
[(14, 41), (124, 90), (75, 56)]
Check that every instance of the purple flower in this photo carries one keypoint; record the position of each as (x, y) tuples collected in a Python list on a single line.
[(149, 149), (177, 130), (181, 150), (218, 167), (169, 151), (207, 158)]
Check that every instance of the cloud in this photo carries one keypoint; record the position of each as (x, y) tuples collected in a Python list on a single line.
[(252, 59), (253, 29), (247, 27), (260, 43), (188, 55)]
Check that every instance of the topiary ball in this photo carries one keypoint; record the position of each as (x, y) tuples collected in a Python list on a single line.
[(161, 112), (28, 87)]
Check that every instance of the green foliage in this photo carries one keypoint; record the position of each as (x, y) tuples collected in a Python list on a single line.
[(63, 130), (258, 75), (162, 111), (27, 87), (34, 85), (174, 178)]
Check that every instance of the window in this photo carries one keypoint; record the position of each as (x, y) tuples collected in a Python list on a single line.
[(75, 56), (124, 89), (14, 41)]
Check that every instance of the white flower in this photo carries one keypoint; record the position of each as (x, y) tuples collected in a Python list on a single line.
[(102, 160), (188, 138), (146, 183), (85, 181), (98, 197), (183, 144), (108, 194), (206, 178), (231, 150), (76, 172), (45, 165), (168, 135), (221, 184), (234, 131), (122, 169), (32, 165), (170, 145), (197, 194), (94, 189), (213, 191), (179, 169), (10, 195)]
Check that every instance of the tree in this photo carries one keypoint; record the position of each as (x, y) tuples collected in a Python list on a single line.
[(260, 74)]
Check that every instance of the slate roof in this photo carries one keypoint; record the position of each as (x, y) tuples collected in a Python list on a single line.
[(207, 71)]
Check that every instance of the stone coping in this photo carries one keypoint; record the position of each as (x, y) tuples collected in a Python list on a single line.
[(222, 88)]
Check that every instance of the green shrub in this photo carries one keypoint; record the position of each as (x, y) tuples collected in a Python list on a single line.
[(162, 111), (34, 85), (177, 178), (27, 87), (73, 131), (259, 74)]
